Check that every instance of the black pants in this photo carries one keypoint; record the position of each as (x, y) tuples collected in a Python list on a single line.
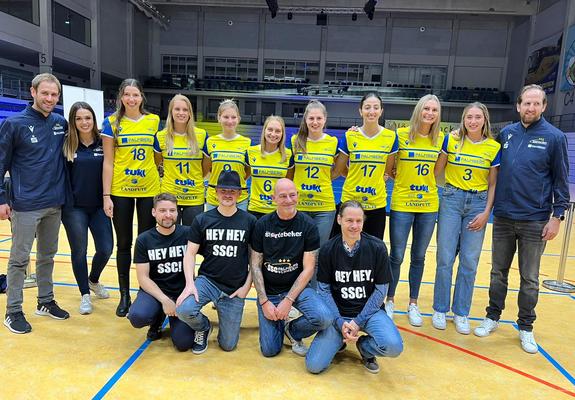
[(374, 223), (186, 214), (123, 225)]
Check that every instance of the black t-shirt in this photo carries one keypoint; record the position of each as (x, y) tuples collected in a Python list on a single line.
[(86, 175), (224, 244), (165, 254), (283, 242), (353, 279)]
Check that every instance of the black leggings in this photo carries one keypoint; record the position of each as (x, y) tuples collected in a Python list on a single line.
[(374, 223), (186, 214), (123, 225)]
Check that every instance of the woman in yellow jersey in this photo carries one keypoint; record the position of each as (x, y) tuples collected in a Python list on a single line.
[(414, 201), (314, 153), (130, 177), (268, 161), (365, 155), (179, 148), (227, 151), (471, 162)]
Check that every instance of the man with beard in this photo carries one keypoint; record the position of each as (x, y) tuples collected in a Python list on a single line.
[(159, 258), (531, 196), (31, 150)]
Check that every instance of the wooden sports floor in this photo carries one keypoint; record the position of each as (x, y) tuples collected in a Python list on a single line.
[(102, 356)]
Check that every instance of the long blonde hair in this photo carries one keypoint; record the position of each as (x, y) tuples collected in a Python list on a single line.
[(72, 139), (191, 138), (303, 132), (120, 108), (485, 130), (282, 143), (415, 121)]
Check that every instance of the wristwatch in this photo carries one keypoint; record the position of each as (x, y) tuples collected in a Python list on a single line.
[(559, 217)]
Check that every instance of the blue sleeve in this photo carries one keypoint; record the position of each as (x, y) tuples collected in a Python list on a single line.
[(497, 160), (324, 291), (395, 147), (342, 144), (157, 147), (560, 175), (107, 128), (372, 305), (6, 147), (205, 148), (445, 143), (246, 158)]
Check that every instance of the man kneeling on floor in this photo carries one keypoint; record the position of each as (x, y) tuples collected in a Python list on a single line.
[(353, 277), (285, 243), (159, 258), (222, 236)]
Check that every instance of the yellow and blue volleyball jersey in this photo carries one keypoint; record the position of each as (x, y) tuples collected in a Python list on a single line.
[(135, 172), (468, 167), (183, 175), (312, 175), (226, 154), (266, 170), (367, 159), (415, 189)]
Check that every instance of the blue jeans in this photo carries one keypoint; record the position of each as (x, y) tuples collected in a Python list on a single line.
[(316, 317), (324, 222), (383, 340), (146, 310), (525, 236), (456, 210), (242, 205), (400, 223), (77, 221), (230, 311)]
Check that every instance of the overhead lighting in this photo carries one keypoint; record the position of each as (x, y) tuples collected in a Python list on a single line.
[(273, 6), (151, 12), (369, 8)]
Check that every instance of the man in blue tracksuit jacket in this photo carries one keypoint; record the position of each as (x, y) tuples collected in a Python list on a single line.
[(531, 197), (31, 150)]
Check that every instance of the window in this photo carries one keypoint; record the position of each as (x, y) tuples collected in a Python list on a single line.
[(288, 70), (28, 10), (179, 65), (231, 68), (358, 73), (423, 75), (70, 24)]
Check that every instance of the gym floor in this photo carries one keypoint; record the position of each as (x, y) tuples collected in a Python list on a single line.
[(102, 356)]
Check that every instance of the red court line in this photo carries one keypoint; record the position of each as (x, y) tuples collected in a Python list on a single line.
[(489, 360)]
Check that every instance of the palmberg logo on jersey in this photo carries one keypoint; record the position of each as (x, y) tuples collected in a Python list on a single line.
[(411, 154), (457, 158)]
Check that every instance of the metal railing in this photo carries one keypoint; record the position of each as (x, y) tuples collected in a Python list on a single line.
[(14, 87)]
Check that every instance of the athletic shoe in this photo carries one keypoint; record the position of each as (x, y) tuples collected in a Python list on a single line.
[(462, 324), (414, 315), (154, 333), (86, 305), (51, 309), (528, 342), (99, 290), (389, 309), (487, 326), (200, 344), (297, 346), (438, 320), (17, 323), (370, 363)]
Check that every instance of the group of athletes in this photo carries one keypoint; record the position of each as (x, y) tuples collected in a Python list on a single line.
[(301, 250)]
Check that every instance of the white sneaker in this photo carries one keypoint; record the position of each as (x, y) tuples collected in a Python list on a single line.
[(414, 315), (438, 320), (487, 326), (297, 346), (99, 290), (528, 342), (389, 309), (86, 305), (461, 325)]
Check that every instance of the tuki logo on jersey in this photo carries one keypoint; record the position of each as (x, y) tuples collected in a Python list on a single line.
[(314, 187), (419, 188), (367, 190), (135, 172)]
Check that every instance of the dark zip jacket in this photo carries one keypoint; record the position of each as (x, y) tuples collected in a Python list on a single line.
[(31, 151), (532, 183)]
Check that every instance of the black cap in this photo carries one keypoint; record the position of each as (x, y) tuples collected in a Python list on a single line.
[(229, 180)]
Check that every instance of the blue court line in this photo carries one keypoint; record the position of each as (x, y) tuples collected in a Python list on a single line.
[(553, 362), (5, 240)]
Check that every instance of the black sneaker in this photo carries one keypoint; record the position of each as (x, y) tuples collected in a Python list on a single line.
[(370, 363), (154, 333), (201, 341), (51, 309), (17, 323)]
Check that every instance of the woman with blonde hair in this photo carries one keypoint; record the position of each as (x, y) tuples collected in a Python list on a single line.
[(178, 148), (269, 161), (227, 152), (84, 155), (471, 163), (414, 201)]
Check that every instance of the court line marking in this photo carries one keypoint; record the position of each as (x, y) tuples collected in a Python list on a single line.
[(489, 360)]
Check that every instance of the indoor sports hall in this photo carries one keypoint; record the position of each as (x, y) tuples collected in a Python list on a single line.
[(272, 57)]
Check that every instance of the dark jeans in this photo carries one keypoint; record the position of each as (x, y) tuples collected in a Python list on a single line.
[(146, 311), (509, 235), (186, 214), (123, 225), (77, 221)]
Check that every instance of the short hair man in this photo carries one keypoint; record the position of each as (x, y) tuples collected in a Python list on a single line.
[(222, 236), (31, 150), (159, 258), (531, 196), (284, 247), (353, 278)]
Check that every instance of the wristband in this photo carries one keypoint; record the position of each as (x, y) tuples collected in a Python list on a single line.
[(106, 195), (262, 304), (290, 299)]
